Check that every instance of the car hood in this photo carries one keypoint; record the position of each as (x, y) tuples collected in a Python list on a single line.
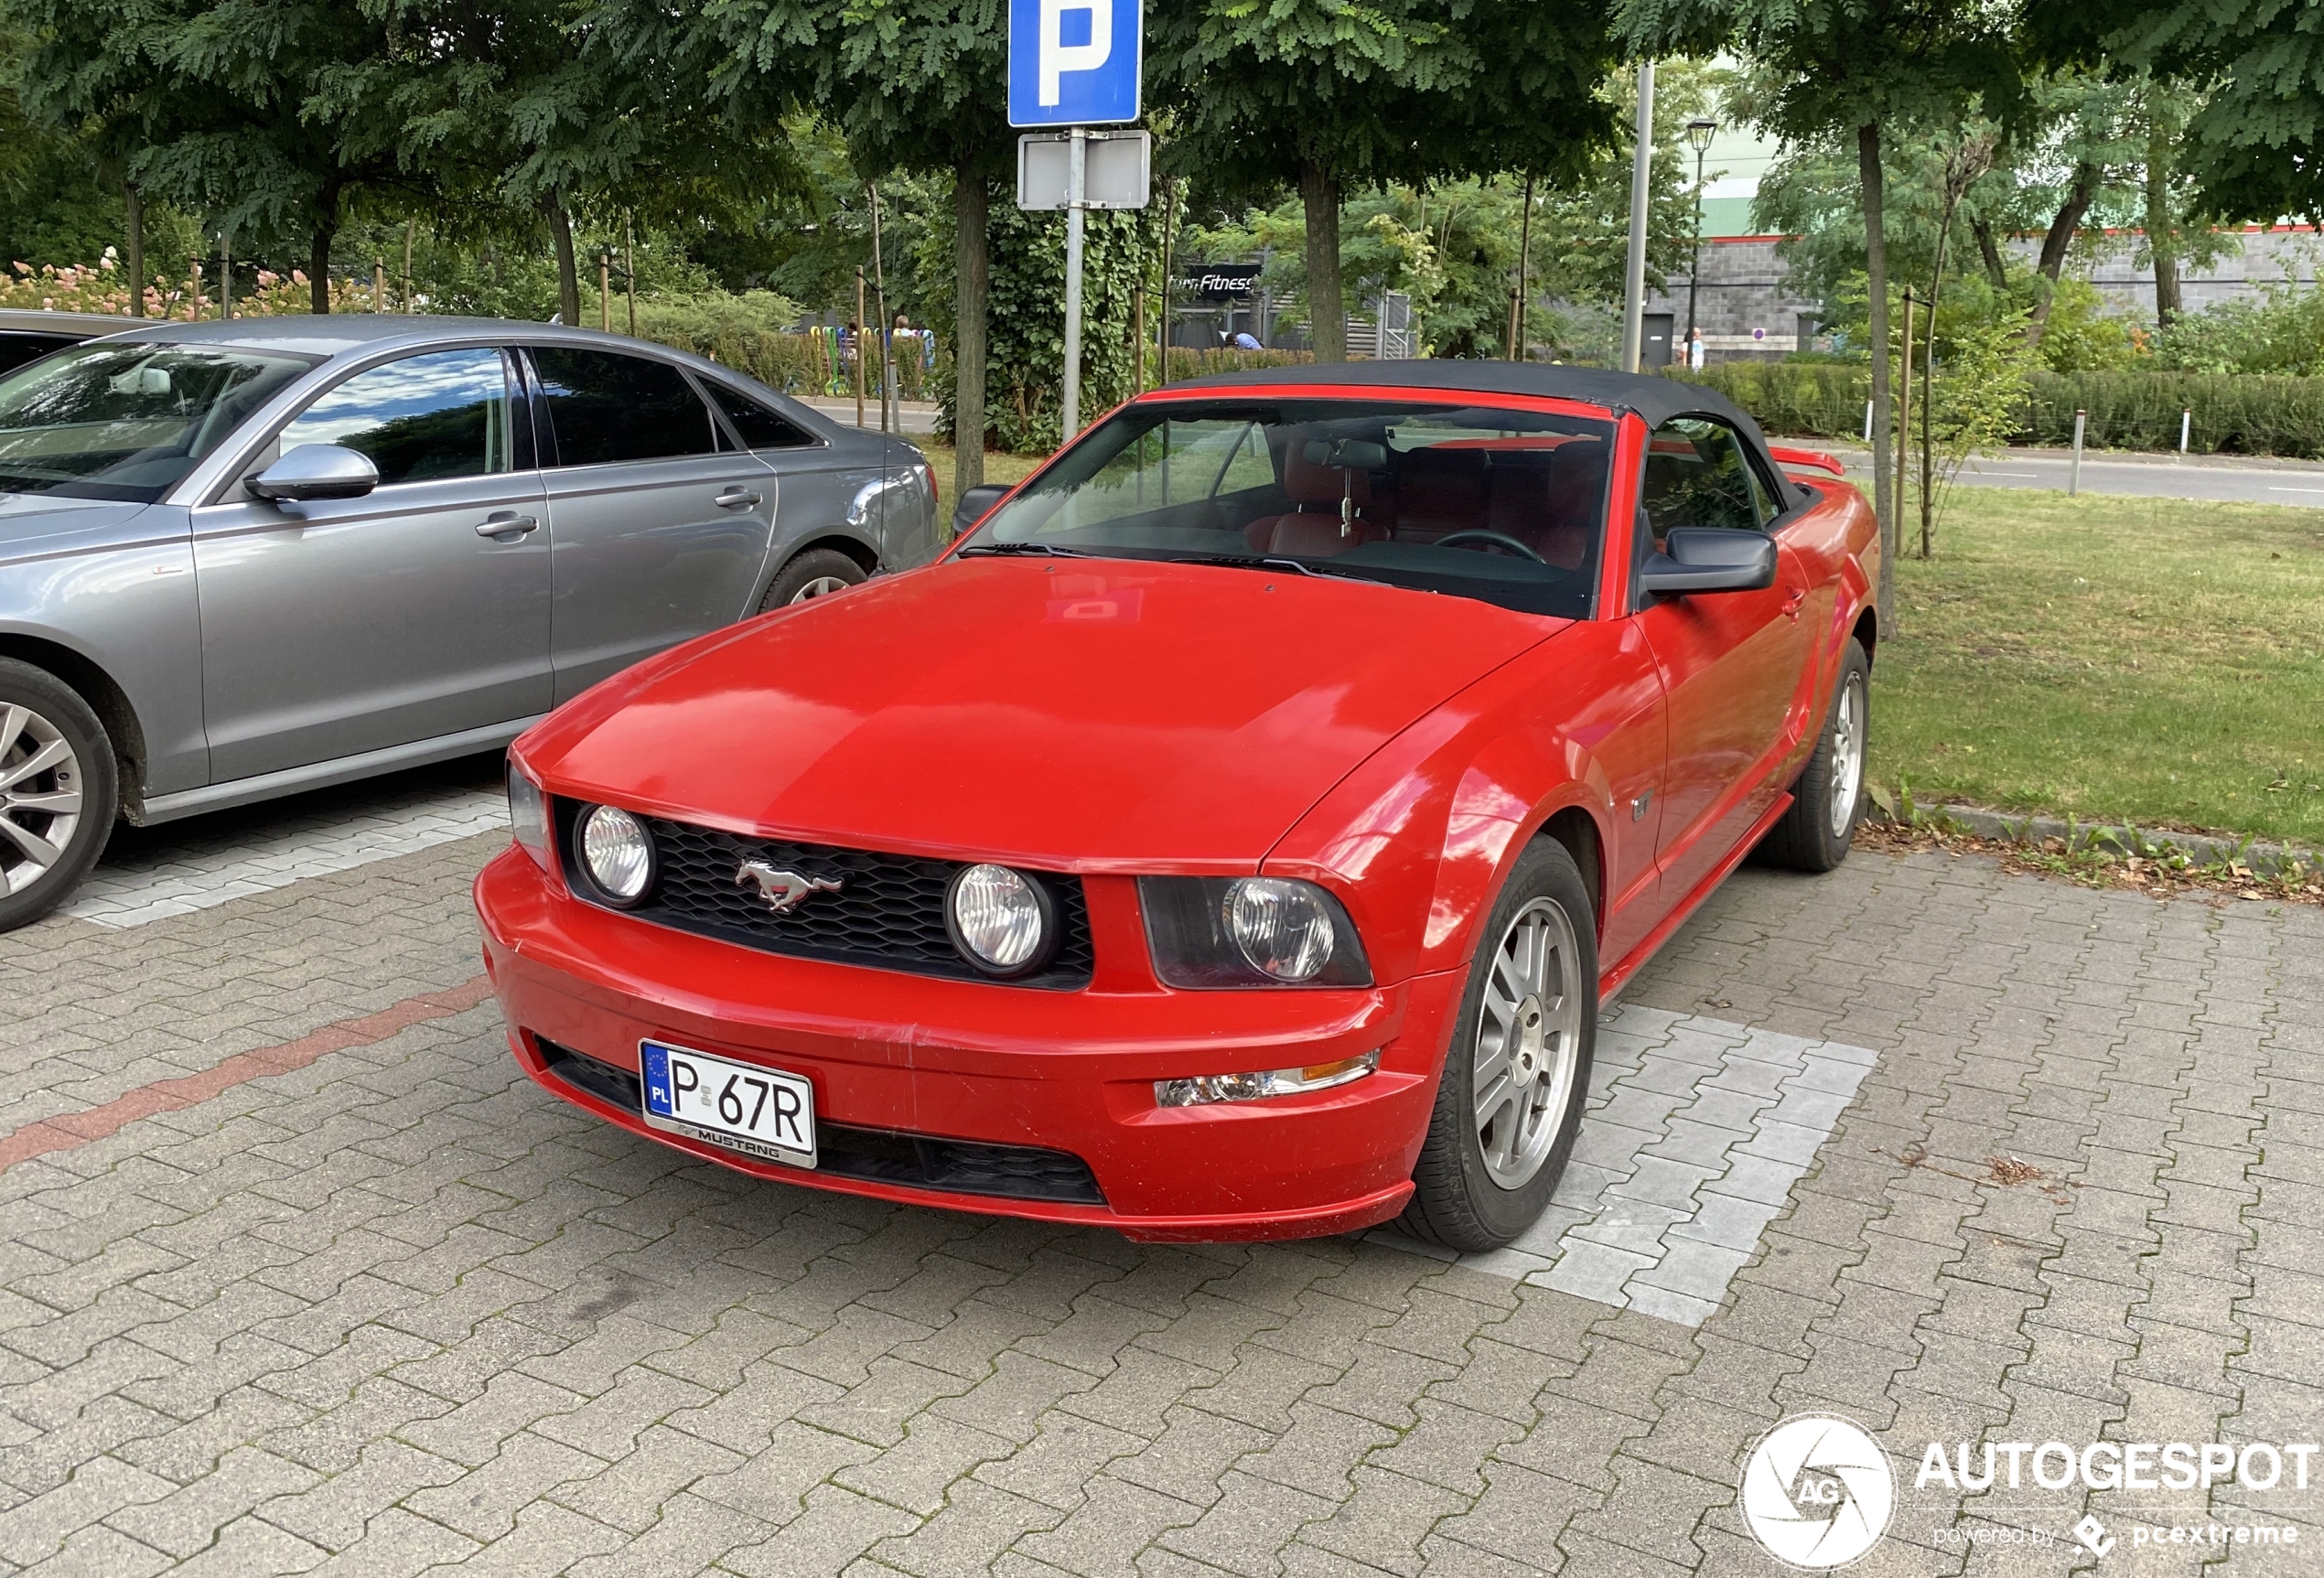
[(1048, 713), (42, 524)]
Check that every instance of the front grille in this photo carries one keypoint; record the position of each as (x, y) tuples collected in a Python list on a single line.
[(889, 912), (883, 1156)]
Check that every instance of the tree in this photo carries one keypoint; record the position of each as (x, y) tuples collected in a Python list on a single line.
[(2255, 150), (217, 107), (1333, 96), (1850, 68), (918, 85)]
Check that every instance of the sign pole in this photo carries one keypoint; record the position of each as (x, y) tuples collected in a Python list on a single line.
[(1634, 272), (1076, 188)]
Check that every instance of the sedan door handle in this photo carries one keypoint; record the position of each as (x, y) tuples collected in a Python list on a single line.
[(506, 524), (738, 498)]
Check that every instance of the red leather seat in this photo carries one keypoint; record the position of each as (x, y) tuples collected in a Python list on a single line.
[(1313, 530)]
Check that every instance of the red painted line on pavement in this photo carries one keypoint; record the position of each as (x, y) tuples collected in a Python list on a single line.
[(73, 1130)]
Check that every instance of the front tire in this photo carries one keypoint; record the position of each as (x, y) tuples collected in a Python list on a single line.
[(818, 573), (59, 792), (1509, 1102), (1827, 803)]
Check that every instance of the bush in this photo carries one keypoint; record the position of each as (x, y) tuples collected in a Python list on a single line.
[(2128, 410)]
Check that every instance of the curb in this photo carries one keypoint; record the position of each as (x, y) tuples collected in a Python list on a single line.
[(2195, 848)]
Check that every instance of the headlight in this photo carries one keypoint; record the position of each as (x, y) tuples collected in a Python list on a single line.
[(616, 852), (528, 814), (1002, 921), (1249, 932)]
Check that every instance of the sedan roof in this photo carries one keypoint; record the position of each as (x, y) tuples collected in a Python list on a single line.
[(43, 320), (1655, 399), (338, 333)]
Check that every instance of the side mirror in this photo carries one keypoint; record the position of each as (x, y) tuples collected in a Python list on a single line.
[(1709, 559), (316, 471), (976, 503)]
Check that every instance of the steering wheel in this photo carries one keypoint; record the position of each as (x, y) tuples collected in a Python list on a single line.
[(1498, 539)]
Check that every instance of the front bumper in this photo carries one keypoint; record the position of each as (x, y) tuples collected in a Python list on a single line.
[(996, 1065)]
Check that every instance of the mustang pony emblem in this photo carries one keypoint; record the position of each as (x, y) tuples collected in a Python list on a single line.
[(782, 890)]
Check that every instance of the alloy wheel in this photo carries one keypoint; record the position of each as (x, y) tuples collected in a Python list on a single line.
[(40, 795), (821, 586), (1847, 756), (1528, 1044)]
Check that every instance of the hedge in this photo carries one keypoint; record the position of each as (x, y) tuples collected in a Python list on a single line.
[(2233, 415)]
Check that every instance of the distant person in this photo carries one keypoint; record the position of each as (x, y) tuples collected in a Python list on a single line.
[(1694, 350), (1246, 340)]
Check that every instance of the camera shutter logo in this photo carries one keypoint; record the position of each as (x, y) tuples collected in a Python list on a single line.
[(1818, 1491)]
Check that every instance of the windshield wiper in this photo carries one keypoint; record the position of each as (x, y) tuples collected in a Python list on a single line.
[(1047, 550), (1268, 562)]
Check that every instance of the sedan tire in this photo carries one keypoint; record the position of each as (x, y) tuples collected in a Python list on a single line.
[(1827, 803), (1509, 1102), (818, 573), (59, 792)]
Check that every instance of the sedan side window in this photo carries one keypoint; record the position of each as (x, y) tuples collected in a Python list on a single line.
[(605, 406), (1697, 475), (762, 426), (445, 414)]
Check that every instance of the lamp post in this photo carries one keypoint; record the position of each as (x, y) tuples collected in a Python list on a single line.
[(1699, 133)]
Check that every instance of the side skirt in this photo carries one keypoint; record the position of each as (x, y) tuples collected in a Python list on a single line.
[(1611, 981), (323, 774)]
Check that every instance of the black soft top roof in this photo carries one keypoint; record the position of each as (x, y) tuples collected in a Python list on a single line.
[(1655, 399)]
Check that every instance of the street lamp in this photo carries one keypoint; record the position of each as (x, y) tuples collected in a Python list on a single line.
[(1699, 133)]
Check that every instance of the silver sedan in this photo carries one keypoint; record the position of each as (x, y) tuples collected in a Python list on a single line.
[(243, 559)]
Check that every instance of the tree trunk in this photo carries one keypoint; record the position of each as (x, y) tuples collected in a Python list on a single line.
[(568, 278), (137, 258), (1876, 265), (1989, 249), (971, 263), (2162, 233), (2055, 245), (318, 261), (1327, 311)]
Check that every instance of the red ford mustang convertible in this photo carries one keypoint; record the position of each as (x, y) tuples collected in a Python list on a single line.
[(1234, 836)]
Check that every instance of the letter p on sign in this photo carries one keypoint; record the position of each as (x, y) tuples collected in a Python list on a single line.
[(1074, 62)]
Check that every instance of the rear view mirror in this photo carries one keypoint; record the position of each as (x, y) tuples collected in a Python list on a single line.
[(143, 378), (316, 471), (976, 503), (1697, 559), (1347, 453)]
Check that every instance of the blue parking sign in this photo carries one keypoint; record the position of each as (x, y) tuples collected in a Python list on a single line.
[(1074, 62)]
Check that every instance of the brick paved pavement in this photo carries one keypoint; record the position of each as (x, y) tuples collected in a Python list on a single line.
[(398, 1309)]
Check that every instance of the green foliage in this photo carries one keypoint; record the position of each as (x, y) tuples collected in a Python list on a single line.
[(1974, 402), (2283, 332), (2082, 336), (1027, 321), (2256, 150)]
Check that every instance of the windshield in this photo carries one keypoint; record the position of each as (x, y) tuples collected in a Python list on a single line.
[(128, 421), (1507, 506)]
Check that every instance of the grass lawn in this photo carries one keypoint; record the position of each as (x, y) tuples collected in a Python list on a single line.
[(2156, 660)]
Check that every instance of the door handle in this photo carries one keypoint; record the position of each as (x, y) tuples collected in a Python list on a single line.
[(738, 498), (1794, 597), (506, 524)]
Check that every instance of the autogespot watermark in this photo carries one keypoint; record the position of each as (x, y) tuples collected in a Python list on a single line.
[(1819, 1492)]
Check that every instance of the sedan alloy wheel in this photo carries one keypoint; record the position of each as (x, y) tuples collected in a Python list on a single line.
[(41, 797)]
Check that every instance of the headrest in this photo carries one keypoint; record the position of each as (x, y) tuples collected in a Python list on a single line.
[(1311, 482)]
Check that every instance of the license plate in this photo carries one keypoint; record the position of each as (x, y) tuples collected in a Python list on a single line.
[(759, 1112)]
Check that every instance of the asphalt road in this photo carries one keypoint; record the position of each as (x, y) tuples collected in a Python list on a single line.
[(2208, 478)]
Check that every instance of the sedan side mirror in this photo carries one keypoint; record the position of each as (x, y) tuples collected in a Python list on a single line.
[(316, 471), (1709, 559), (976, 503)]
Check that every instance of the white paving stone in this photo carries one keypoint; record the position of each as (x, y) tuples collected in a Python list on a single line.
[(1659, 1222)]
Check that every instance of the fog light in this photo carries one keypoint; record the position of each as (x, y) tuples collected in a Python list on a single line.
[(1204, 1088), (617, 854), (1001, 920)]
